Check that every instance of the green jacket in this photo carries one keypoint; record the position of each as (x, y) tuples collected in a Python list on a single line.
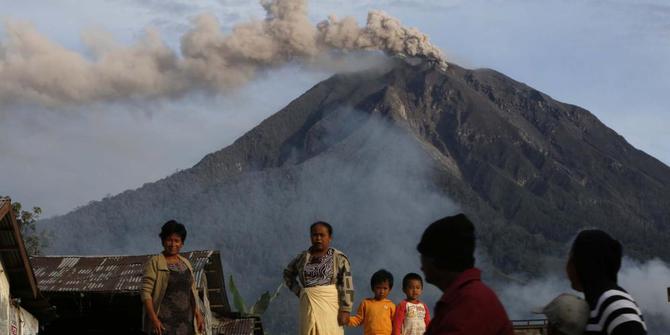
[(154, 284), (342, 277)]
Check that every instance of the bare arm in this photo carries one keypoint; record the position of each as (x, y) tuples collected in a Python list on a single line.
[(148, 282), (155, 322), (200, 321)]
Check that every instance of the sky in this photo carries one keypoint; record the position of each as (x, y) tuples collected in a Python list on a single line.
[(610, 57)]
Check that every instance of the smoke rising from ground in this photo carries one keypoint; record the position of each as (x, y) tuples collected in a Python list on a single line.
[(645, 281), (372, 183), (34, 69)]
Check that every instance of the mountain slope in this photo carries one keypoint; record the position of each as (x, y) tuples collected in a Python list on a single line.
[(548, 167), (382, 153)]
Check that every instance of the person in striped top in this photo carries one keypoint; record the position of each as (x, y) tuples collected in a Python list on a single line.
[(593, 265)]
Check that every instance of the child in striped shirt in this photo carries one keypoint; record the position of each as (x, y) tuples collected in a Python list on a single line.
[(411, 315)]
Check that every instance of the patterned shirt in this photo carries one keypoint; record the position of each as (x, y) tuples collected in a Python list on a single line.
[(410, 318), (615, 311), (319, 270), (176, 310), (294, 277)]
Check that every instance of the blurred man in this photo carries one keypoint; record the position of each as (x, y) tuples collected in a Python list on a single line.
[(467, 306)]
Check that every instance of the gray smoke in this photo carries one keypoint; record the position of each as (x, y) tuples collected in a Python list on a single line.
[(374, 185), (647, 282), (34, 69)]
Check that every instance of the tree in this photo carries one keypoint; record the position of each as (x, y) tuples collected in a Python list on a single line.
[(27, 220)]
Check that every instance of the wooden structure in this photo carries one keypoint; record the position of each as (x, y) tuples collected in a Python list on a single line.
[(530, 327), (91, 291), (21, 303)]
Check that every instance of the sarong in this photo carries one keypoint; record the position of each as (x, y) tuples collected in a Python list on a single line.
[(319, 306)]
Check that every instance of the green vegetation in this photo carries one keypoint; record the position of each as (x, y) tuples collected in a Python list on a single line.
[(35, 242), (259, 307)]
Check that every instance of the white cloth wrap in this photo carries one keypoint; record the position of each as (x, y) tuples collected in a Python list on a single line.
[(319, 306)]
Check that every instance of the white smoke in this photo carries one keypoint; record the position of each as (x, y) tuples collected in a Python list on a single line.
[(647, 282), (34, 69)]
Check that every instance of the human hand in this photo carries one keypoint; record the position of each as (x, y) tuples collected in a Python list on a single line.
[(157, 326), (200, 321), (343, 318)]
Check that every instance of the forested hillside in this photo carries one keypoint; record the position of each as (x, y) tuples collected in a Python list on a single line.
[(382, 153)]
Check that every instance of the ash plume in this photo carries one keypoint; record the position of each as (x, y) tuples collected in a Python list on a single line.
[(34, 69)]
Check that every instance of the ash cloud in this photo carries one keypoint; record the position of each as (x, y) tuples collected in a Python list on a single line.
[(34, 69)]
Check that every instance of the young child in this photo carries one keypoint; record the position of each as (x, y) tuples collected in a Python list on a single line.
[(411, 315), (376, 314)]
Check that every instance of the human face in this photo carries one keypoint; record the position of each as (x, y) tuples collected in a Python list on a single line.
[(320, 238), (172, 245), (413, 290), (381, 290), (571, 271)]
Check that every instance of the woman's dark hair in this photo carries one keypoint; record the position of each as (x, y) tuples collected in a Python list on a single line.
[(380, 277), (596, 256), (322, 223), (173, 227), (411, 276), (450, 243)]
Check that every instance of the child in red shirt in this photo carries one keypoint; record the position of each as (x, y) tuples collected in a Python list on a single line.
[(411, 315), (376, 314)]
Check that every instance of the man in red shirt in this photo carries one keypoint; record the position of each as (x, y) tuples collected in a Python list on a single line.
[(467, 306)]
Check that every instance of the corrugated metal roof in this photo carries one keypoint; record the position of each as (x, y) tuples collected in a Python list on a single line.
[(236, 327), (102, 273)]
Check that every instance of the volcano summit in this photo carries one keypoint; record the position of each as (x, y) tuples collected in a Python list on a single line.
[(380, 154)]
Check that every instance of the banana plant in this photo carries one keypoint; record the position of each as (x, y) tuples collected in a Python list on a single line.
[(259, 307)]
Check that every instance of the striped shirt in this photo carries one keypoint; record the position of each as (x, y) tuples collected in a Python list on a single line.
[(615, 310)]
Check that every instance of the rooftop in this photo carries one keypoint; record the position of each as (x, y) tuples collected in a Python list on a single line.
[(101, 273), (15, 261), (123, 274)]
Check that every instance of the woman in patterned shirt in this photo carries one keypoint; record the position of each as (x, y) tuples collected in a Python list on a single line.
[(321, 277)]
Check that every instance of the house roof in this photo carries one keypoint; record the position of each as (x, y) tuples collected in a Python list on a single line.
[(13, 254), (101, 273), (14, 257), (123, 274)]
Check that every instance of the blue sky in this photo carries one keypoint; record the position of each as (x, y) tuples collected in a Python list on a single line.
[(610, 57)]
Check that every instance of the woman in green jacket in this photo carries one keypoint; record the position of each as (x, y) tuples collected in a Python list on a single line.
[(168, 288)]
